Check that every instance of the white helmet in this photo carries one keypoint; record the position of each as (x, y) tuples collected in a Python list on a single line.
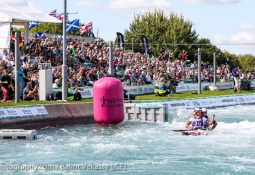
[(204, 110), (196, 109)]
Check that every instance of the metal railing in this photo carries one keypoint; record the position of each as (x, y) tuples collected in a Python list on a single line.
[(44, 65), (86, 39)]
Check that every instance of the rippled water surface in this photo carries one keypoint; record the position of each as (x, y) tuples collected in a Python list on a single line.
[(138, 148)]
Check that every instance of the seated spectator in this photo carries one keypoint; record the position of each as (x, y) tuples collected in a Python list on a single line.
[(162, 87), (143, 79), (149, 78), (29, 93), (73, 94), (91, 77), (135, 78), (120, 76), (57, 83)]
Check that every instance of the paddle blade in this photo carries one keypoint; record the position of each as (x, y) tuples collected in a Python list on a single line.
[(179, 130)]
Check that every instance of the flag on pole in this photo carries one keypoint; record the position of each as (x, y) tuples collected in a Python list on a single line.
[(87, 28), (40, 34), (145, 43), (61, 17), (53, 13), (32, 24), (73, 25), (20, 38), (60, 38), (120, 40)]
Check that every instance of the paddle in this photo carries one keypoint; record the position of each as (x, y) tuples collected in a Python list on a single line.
[(181, 130)]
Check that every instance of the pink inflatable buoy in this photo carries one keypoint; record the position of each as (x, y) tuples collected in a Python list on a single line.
[(108, 101)]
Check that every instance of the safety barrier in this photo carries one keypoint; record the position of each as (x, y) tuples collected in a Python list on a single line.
[(212, 102), (150, 113), (18, 134), (87, 92)]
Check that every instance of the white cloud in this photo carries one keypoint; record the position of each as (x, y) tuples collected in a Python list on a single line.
[(239, 38), (138, 4), (161, 4), (240, 43), (128, 4), (244, 27), (14, 1), (214, 1), (89, 3)]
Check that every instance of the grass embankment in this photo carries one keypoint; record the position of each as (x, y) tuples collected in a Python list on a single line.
[(150, 97)]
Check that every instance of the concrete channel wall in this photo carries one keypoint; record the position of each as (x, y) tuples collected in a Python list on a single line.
[(59, 115)]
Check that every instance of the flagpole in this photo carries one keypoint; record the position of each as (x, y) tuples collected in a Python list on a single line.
[(64, 66), (17, 85)]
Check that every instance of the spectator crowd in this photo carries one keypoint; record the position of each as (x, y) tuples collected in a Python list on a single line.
[(88, 62)]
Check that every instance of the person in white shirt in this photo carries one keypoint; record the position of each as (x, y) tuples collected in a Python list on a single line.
[(148, 77), (5, 55)]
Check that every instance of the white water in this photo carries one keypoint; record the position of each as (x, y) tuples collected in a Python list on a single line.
[(142, 148)]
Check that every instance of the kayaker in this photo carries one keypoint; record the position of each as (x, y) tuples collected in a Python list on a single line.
[(204, 114), (197, 121)]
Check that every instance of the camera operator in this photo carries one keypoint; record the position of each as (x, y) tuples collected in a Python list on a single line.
[(172, 83)]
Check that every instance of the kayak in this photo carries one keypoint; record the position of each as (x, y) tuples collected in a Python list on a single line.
[(195, 132)]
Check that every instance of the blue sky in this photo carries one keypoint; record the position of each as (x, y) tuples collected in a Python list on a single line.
[(229, 24)]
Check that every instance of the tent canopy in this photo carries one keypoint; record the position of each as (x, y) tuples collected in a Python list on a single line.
[(23, 12), (19, 14)]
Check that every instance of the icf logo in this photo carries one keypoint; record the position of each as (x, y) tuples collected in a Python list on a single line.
[(12, 112), (2, 112), (41, 111)]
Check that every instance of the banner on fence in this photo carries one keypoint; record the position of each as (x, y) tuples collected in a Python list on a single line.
[(207, 103), (23, 112), (87, 92)]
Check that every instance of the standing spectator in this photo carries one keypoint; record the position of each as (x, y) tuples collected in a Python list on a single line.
[(5, 81), (26, 75), (5, 55), (228, 63), (184, 55), (11, 89), (150, 52), (171, 55), (195, 57), (223, 74), (20, 78), (235, 73)]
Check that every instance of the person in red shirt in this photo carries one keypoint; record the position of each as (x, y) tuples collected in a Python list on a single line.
[(5, 82), (184, 55)]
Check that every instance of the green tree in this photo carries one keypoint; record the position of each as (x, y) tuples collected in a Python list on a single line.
[(18, 29), (232, 58), (169, 32), (247, 62), (207, 50)]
